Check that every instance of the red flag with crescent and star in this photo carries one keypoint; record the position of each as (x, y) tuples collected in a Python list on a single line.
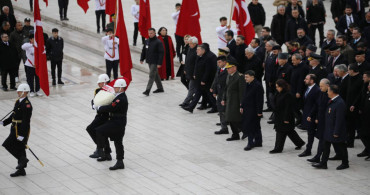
[(40, 53), (145, 19), (84, 4), (188, 22), (243, 20)]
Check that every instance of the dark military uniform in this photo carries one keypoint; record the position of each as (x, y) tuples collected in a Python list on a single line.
[(20, 120), (284, 72), (99, 119), (114, 128), (319, 72)]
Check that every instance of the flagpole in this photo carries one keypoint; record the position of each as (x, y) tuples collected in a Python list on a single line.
[(231, 11), (114, 29)]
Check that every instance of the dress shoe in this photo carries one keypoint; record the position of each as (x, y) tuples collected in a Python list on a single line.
[(212, 111), (314, 160), (5, 89), (54, 82), (244, 136), (271, 122), (350, 145), (118, 165), (267, 110), (202, 107), (146, 93), (336, 157), (274, 151), (233, 138), (363, 154), (343, 166), (304, 154), (22, 163), (367, 158), (60, 82), (19, 172), (222, 131), (66, 18), (320, 165), (158, 91), (183, 104), (188, 109), (218, 124), (248, 147), (94, 155), (13, 89), (300, 126), (299, 147), (106, 157)]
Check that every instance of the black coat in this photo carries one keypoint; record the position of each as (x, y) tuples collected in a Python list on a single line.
[(333, 80), (232, 46), (365, 114), (270, 68), (284, 72), (205, 68), (353, 43), (342, 23), (54, 48), (257, 14), (278, 28), (340, 60), (316, 14), (343, 87), (292, 26), (324, 43), (288, 11), (240, 57), (309, 103), (365, 66), (337, 8), (304, 41), (353, 3), (354, 91), (10, 18), (284, 111), (218, 86), (153, 51), (319, 72), (252, 104), (320, 112), (255, 64), (260, 53), (16, 38), (118, 108), (22, 111), (335, 121), (190, 61), (298, 75), (8, 56)]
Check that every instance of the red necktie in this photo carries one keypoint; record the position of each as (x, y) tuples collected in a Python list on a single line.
[(358, 5), (221, 70)]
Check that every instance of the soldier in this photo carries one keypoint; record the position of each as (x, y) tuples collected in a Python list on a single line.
[(285, 69), (99, 119), (20, 129), (316, 67), (111, 53), (114, 128)]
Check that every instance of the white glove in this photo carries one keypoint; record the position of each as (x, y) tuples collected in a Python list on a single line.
[(20, 138), (96, 107), (1, 123)]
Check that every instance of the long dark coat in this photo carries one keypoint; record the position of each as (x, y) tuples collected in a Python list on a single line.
[(319, 113), (335, 121), (218, 86), (252, 105), (284, 111), (365, 114), (233, 95)]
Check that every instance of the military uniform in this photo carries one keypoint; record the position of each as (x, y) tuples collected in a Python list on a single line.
[(20, 120)]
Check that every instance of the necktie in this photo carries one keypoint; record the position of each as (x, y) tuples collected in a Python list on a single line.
[(358, 5), (350, 19), (307, 91)]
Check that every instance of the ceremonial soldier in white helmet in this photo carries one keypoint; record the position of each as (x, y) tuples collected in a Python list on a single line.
[(20, 119), (114, 128), (100, 118)]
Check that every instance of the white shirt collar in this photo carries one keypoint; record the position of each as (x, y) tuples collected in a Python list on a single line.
[(334, 98), (344, 76), (21, 99)]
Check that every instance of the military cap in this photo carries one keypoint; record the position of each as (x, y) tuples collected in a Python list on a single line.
[(314, 56), (334, 48), (312, 47), (283, 56)]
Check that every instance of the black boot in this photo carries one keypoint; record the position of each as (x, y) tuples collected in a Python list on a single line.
[(19, 172), (95, 154), (106, 157), (22, 163), (118, 165), (54, 83), (60, 82)]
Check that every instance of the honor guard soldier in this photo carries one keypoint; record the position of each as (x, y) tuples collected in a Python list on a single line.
[(114, 128), (20, 129), (111, 55), (99, 119)]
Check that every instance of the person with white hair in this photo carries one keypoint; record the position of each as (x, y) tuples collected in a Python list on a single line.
[(20, 118), (342, 71), (7, 16), (253, 63), (115, 127)]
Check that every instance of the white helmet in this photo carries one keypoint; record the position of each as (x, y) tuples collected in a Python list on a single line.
[(120, 83), (103, 78), (24, 87)]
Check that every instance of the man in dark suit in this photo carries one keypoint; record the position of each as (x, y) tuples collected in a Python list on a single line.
[(316, 68), (358, 8), (330, 40), (362, 64), (253, 62), (240, 52), (218, 88), (8, 62), (345, 20), (293, 25), (258, 50), (337, 58), (356, 38), (335, 129), (270, 68), (309, 99), (284, 70), (231, 43), (342, 72), (251, 108), (337, 7), (302, 38)]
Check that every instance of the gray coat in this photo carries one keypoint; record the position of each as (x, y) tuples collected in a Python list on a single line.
[(233, 96)]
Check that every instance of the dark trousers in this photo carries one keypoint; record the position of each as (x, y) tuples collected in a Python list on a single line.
[(98, 120), (31, 5), (366, 141), (208, 98), (112, 65), (179, 46), (197, 94), (297, 110), (54, 65), (100, 14), (63, 6), (136, 33), (17, 68), (184, 81), (320, 148), (115, 130), (313, 28), (352, 124), (342, 150), (32, 79), (223, 120), (235, 128), (191, 91), (268, 91), (255, 135), (15, 147), (281, 137), (310, 136), (4, 77)]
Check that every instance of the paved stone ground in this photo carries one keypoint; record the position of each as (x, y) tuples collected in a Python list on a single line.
[(168, 150)]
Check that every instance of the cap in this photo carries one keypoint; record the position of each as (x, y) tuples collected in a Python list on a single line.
[(360, 53), (312, 47), (276, 47), (326, 47), (223, 58), (230, 63), (334, 48), (27, 19), (283, 56), (314, 56), (225, 50)]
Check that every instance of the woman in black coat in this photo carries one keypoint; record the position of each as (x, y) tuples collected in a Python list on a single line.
[(284, 118)]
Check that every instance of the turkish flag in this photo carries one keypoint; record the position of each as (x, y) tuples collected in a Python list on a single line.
[(46, 1), (243, 20), (83, 4), (145, 21), (40, 53), (188, 22), (125, 62), (110, 7)]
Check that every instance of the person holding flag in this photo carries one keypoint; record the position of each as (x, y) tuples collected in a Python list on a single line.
[(111, 44), (135, 11), (32, 78)]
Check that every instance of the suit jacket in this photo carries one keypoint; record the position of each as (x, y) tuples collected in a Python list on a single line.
[(340, 60), (354, 43), (8, 56), (319, 72), (232, 46), (331, 43), (255, 64), (260, 53), (354, 92), (335, 121), (299, 72), (270, 68), (319, 113), (361, 13), (190, 61), (342, 26), (304, 41), (309, 103), (343, 87), (348, 53), (365, 66), (291, 28), (333, 80), (284, 72), (233, 95)]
